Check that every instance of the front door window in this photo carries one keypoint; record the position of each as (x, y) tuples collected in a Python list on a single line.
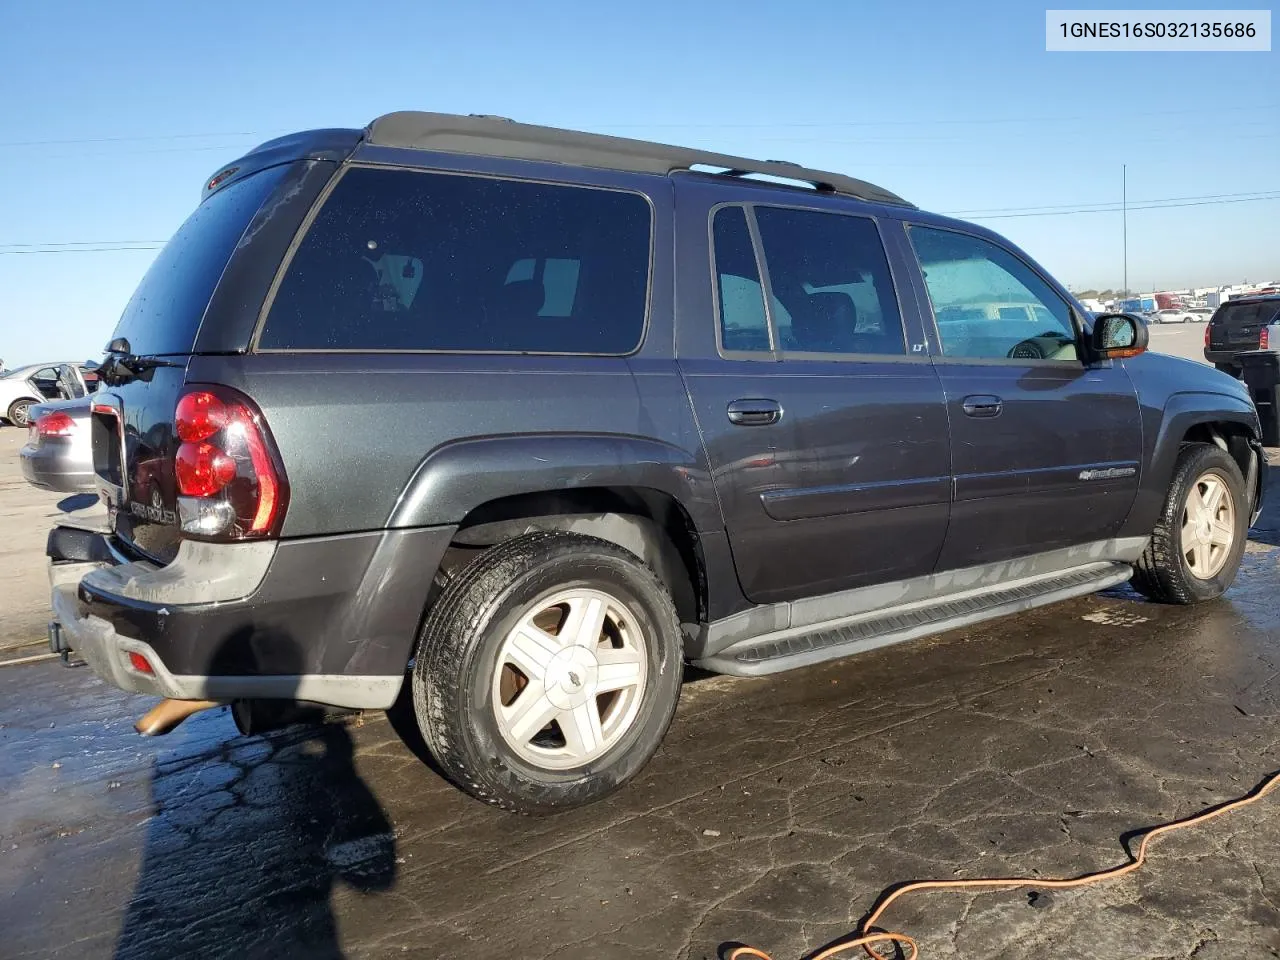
[(988, 304)]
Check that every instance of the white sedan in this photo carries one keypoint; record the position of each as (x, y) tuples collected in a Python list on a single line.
[(1178, 316), (24, 387)]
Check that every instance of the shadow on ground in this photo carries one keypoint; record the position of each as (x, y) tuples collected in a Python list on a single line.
[(243, 847)]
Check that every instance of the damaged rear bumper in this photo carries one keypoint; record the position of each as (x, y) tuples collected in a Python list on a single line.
[(326, 620)]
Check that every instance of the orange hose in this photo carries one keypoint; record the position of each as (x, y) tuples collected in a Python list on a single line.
[(865, 935)]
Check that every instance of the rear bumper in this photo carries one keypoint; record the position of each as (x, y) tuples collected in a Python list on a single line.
[(329, 620), (1223, 356), (52, 469)]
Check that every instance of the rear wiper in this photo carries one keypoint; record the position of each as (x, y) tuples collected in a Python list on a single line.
[(122, 366)]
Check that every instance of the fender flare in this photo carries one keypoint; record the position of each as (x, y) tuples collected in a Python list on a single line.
[(455, 478), (1183, 411)]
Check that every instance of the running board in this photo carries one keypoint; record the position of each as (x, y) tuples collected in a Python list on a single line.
[(804, 646)]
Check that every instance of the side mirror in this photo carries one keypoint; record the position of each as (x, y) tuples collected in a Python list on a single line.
[(1118, 335)]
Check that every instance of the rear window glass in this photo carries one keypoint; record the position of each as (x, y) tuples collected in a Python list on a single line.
[(165, 311), (1240, 314), (405, 260)]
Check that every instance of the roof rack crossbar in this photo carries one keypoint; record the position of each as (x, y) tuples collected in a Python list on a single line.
[(487, 136), (794, 172)]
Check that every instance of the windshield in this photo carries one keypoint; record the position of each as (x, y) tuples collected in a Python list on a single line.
[(165, 312)]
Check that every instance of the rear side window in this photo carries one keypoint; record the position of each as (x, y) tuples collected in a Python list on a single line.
[(168, 305), (832, 290), (405, 260)]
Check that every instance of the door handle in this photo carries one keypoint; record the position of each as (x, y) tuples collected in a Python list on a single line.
[(983, 406), (754, 413)]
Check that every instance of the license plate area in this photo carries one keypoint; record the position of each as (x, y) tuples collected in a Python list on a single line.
[(107, 435)]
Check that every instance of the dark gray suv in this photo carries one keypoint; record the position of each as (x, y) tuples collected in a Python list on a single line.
[(527, 419)]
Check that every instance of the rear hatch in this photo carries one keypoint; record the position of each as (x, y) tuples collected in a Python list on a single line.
[(202, 295), (1237, 324)]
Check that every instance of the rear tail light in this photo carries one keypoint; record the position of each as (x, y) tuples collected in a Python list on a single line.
[(56, 424), (231, 484), (200, 415), (1206, 332), (1264, 339)]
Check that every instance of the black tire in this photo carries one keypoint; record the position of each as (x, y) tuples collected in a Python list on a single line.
[(18, 412), (1163, 574), (1228, 368), (459, 649)]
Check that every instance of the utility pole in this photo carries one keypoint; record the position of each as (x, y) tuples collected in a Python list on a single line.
[(1124, 220)]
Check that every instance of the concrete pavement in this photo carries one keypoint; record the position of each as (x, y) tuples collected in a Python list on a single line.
[(775, 813), (26, 514)]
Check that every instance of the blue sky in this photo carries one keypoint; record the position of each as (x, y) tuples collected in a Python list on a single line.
[(955, 106)]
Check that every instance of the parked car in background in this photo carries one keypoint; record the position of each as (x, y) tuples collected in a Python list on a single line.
[(58, 454), (1236, 327), (24, 387), (1176, 316)]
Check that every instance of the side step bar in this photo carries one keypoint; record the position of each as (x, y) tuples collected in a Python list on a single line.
[(805, 646)]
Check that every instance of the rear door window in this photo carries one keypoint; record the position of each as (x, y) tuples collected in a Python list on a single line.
[(408, 260), (832, 290)]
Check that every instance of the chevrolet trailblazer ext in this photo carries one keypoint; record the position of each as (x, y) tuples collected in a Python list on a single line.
[(527, 418)]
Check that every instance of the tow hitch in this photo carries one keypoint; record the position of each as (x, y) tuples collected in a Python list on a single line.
[(58, 644)]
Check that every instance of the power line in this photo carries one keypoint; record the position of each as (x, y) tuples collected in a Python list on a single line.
[(155, 137), (1081, 205), (756, 125), (960, 139), (7, 253), (1116, 208), (79, 243), (1166, 203)]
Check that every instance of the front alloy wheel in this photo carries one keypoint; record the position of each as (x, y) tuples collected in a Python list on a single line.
[(1199, 537), (1208, 526)]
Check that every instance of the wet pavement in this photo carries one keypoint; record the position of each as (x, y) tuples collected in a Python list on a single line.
[(776, 811), (26, 514)]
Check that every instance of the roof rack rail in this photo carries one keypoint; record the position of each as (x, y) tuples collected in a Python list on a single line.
[(499, 137)]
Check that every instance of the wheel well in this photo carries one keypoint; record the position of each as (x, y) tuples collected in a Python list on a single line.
[(651, 524), (1234, 438)]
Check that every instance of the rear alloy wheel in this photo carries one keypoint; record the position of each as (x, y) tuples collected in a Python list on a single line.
[(20, 413), (547, 672), (1197, 544), (570, 679)]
